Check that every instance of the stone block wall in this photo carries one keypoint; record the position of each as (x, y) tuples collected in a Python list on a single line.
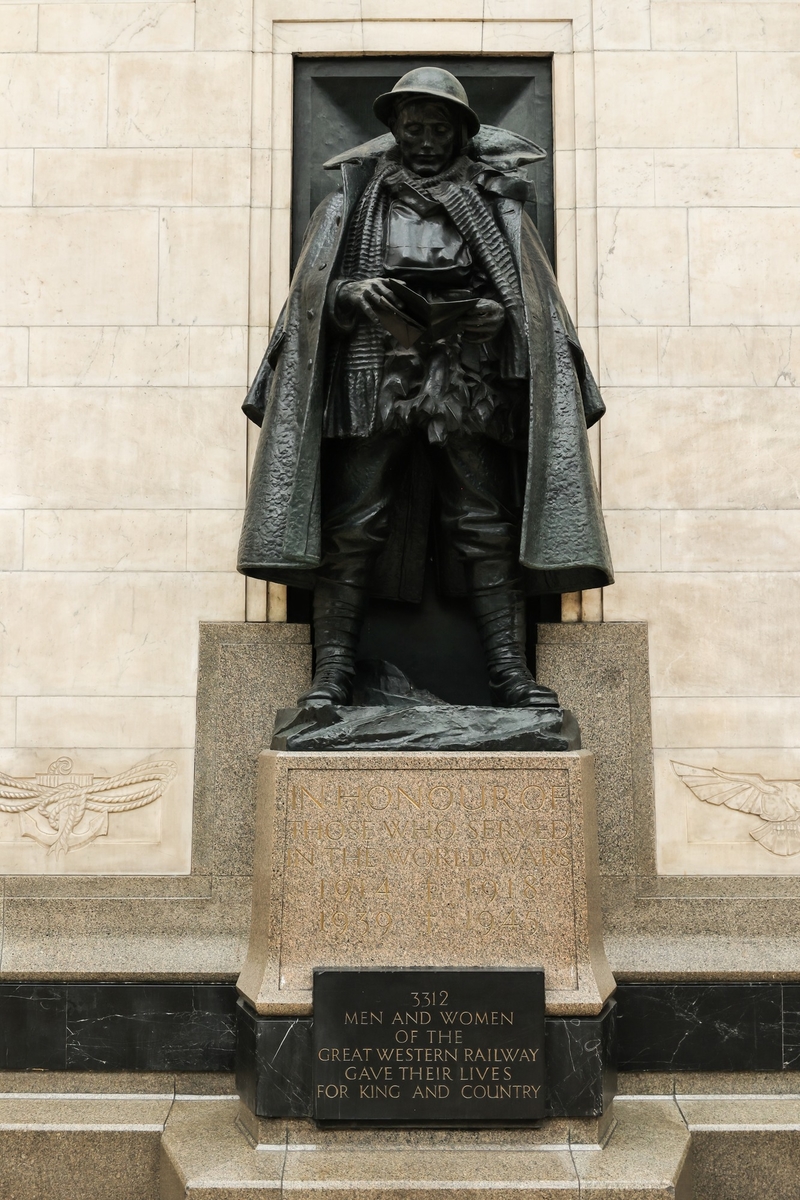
[(125, 184), (698, 249)]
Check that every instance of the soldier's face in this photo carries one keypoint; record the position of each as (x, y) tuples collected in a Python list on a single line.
[(426, 135)]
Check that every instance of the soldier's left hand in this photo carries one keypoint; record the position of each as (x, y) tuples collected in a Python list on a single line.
[(485, 320)]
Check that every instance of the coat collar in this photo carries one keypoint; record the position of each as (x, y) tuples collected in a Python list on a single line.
[(498, 149), (503, 155)]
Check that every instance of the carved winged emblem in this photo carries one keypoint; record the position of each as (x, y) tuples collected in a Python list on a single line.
[(63, 810), (775, 801)]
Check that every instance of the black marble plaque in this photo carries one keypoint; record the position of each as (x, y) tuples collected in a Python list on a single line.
[(437, 1047)]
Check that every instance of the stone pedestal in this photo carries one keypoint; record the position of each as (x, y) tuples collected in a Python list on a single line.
[(458, 859)]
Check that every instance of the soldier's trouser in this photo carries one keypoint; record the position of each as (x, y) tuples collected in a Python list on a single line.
[(476, 488), (475, 481)]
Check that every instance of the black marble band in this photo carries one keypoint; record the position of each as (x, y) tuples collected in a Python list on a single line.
[(117, 1026), (192, 1027), (709, 1026)]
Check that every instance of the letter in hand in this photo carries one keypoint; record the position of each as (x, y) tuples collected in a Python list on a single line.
[(370, 297), (409, 316), (375, 299), (483, 321)]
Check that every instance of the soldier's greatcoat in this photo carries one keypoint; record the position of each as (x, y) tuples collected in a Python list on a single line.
[(563, 544)]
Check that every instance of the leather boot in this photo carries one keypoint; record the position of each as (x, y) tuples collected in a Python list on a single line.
[(500, 614), (338, 616)]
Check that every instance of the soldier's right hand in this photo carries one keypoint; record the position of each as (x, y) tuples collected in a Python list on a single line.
[(366, 296)]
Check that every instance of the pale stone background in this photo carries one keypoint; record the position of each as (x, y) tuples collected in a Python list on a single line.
[(698, 248), (124, 301), (145, 193)]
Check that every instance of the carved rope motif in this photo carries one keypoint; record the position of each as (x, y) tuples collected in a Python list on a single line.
[(64, 811)]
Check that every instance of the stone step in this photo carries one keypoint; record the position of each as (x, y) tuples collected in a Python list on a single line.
[(207, 1155), (744, 1147), (99, 1146), (96, 1147)]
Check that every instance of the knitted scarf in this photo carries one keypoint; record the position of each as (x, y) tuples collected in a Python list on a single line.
[(455, 190)]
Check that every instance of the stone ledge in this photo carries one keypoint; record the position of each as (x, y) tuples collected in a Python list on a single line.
[(146, 1147), (206, 1152), (101, 1147)]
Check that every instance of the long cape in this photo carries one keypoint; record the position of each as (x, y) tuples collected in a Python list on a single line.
[(563, 545)]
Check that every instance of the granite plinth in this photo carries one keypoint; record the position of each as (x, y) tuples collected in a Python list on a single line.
[(377, 859), (424, 727), (744, 1147), (658, 928), (550, 1134)]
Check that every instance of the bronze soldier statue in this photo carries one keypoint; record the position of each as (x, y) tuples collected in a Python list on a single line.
[(425, 352)]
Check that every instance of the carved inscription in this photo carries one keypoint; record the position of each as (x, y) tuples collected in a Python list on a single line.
[(436, 1047), (407, 867)]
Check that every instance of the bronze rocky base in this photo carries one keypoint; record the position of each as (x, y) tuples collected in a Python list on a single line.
[(389, 713), (328, 727)]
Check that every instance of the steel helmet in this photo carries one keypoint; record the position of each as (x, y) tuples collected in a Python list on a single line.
[(428, 81)]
